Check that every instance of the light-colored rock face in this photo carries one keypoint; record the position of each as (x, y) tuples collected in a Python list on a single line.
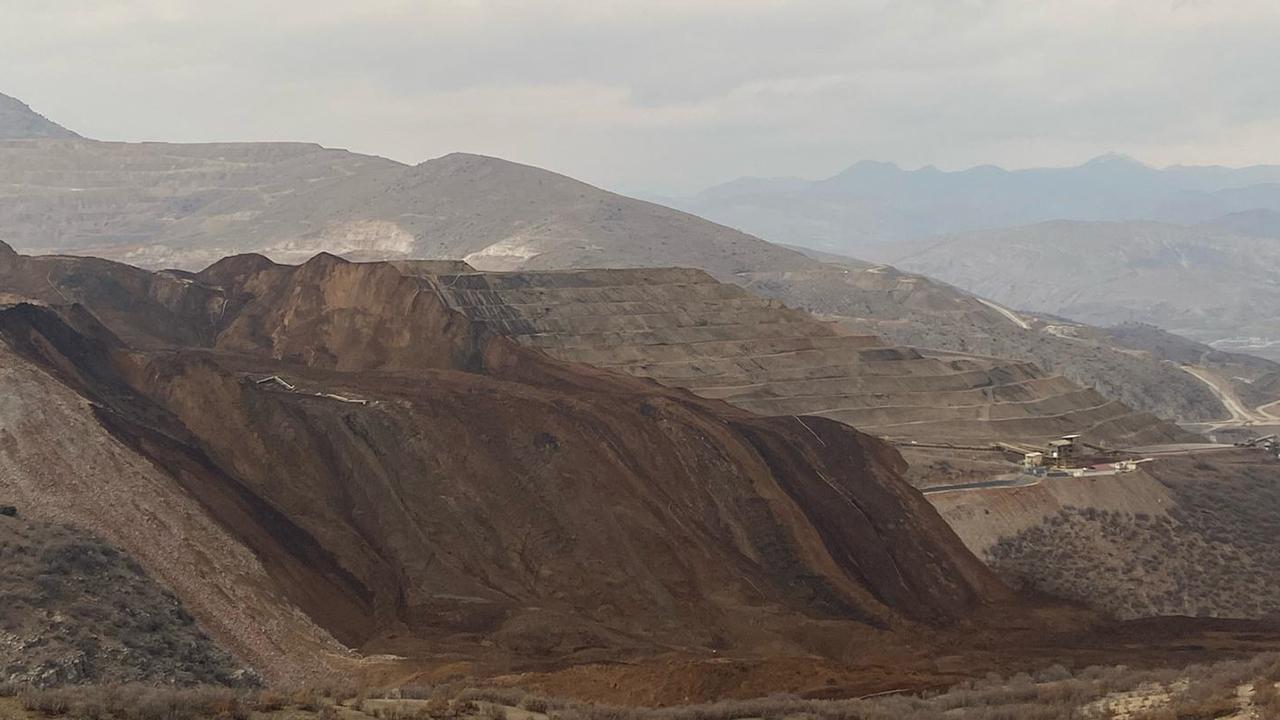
[(507, 254)]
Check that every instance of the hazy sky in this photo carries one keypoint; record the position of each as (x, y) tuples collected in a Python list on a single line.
[(666, 96)]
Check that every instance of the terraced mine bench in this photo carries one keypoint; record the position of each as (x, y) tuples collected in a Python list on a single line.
[(683, 328)]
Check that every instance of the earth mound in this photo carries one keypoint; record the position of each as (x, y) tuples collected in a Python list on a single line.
[(369, 469)]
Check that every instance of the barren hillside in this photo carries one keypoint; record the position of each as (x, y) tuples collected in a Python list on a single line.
[(164, 205), (450, 494), (20, 122), (1209, 285), (917, 311)]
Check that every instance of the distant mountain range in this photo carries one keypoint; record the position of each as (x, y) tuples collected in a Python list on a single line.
[(1211, 285), (159, 205), (1191, 249), (165, 205), (873, 203), (20, 122)]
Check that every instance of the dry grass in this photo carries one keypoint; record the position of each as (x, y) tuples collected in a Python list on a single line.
[(1222, 690), (1054, 694), (1213, 555), (143, 702), (81, 611)]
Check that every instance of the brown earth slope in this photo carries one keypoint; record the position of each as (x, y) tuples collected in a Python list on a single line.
[(424, 488)]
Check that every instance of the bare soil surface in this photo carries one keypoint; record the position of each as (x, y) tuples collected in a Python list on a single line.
[(423, 498), (425, 490)]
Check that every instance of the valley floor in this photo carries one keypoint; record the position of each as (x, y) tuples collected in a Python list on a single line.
[(1244, 689)]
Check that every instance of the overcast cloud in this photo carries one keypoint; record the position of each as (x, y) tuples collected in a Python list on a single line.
[(666, 96)]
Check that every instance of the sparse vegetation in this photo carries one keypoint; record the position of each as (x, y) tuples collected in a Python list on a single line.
[(1141, 382), (1198, 692), (82, 611), (1213, 554)]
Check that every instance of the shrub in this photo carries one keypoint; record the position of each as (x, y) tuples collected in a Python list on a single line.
[(49, 702), (535, 704)]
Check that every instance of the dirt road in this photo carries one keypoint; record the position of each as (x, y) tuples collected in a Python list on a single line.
[(1240, 413), (1013, 317)]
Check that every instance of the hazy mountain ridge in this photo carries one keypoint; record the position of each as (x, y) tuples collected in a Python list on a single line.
[(168, 205), (1259, 222), (872, 203), (19, 122), (1212, 286), (290, 201)]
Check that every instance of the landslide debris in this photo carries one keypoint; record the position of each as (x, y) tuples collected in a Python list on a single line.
[(422, 487)]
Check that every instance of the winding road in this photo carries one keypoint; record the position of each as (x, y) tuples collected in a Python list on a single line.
[(1011, 315), (1240, 413)]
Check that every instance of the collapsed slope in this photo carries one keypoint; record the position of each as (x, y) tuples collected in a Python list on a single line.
[(418, 486)]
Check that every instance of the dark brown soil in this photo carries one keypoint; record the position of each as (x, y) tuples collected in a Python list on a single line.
[(420, 488), (482, 501)]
